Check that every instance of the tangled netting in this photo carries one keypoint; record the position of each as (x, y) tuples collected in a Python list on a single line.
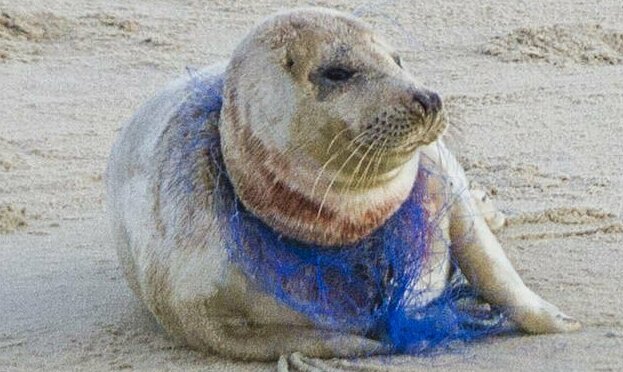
[(368, 287)]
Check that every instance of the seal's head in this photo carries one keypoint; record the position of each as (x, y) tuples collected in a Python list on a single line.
[(321, 125)]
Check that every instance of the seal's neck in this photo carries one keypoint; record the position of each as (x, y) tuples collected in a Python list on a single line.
[(283, 195)]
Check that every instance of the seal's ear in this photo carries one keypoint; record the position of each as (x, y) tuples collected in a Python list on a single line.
[(285, 32), (289, 61), (285, 35)]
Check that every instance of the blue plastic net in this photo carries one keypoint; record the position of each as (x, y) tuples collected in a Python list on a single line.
[(368, 287)]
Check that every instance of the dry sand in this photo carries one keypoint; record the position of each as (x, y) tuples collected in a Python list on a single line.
[(535, 89)]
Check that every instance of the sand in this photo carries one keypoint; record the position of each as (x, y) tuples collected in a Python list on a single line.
[(534, 91)]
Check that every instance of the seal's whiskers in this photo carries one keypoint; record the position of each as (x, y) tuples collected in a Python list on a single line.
[(324, 198), (380, 159), (335, 138), (333, 157), (353, 176), (356, 170), (364, 177)]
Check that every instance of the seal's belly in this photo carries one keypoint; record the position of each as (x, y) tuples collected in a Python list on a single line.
[(258, 307)]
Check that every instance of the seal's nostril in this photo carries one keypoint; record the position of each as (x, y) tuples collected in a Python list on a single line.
[(435, 101), (430, 101)]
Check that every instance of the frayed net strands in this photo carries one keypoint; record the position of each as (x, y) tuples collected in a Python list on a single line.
[(368, 287)]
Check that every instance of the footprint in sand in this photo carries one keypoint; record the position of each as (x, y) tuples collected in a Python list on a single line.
[(556, 223)]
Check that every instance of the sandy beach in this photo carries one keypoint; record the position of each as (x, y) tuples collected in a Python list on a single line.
[(534, 92)]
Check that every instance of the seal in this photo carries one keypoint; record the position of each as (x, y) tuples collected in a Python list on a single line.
[(323, 137)]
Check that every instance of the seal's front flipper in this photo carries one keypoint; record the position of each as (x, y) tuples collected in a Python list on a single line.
[(484, 263), (543, 317)]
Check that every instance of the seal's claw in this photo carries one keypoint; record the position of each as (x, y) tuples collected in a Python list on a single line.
[(494, 218), (546, 318), (300, 363), (569, 324)]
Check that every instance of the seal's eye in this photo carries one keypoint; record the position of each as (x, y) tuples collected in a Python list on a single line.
[(338, 74)]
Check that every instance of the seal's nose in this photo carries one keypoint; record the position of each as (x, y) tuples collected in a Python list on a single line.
[(430, 101)]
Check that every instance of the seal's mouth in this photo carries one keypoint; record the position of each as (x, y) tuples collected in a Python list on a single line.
[(370, 157), (400, 129), (400, 132)]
